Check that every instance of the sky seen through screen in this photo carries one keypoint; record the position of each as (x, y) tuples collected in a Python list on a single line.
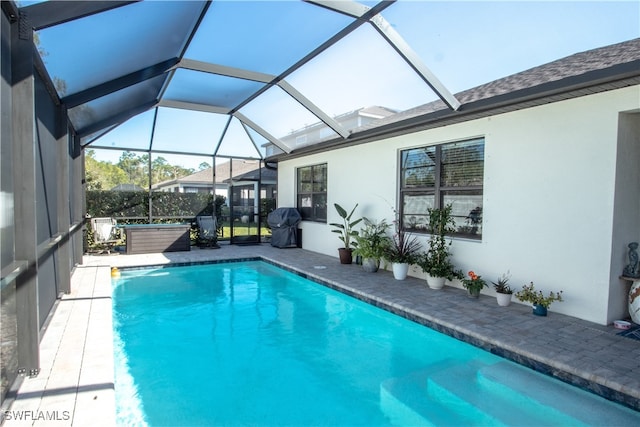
[(464, 43)]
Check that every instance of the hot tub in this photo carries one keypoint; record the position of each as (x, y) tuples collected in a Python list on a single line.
[(153, 238)]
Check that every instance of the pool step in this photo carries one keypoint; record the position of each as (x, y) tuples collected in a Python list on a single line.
[(406, 401), (561, 400), (461, 389), (451, 393)]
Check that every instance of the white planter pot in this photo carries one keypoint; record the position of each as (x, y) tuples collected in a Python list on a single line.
[(400, 271), (503, 299), (435, 282)]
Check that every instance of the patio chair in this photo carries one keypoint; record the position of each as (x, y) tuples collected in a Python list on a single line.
[(207, 231), (105, 233)]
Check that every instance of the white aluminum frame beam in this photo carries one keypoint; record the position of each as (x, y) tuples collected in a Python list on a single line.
[(224, 132), (222, 70), (404, 50), (269, 80), (272, 139), (246, 129), (306, 103), (347, 7), (193, 106)]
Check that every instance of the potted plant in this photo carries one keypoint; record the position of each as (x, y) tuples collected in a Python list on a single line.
[(540, 302), (436, 260), (347, 233), (503, 290), (402, 251), (473, 284), (372, 244)]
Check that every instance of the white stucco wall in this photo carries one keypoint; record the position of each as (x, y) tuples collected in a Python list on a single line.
[(550, 181)]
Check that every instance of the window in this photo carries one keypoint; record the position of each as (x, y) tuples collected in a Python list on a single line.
[(435, 176), (312, 192), (301, 139)]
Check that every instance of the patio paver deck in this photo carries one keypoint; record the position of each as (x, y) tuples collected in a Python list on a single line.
[(76, 379)]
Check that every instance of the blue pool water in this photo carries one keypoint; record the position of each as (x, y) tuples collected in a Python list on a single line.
[(251, 344)]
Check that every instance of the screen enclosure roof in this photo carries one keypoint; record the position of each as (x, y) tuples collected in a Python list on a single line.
[(227, 78), (252, 79)]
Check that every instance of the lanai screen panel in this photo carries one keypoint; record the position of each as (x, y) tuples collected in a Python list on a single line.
[(187, 131), (210, 89), (134, 134), (280, 115), (111, 106), (265, 148), (361, 71), (294, 73), (99, 48), (263, 36), (237, 142), (94, 136)]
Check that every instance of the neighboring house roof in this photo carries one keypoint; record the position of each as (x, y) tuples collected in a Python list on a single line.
[(266, 174), (205, 176), (606, 68)]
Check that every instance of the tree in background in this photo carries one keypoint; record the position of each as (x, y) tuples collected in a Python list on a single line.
[(135, 168), (102, 175), (130, 169), (161, 170)]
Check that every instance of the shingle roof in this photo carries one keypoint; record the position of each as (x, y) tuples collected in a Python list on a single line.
[(589, 68), (570, 66), (597, 70), (239, 167), (580, 74), (265, 174)]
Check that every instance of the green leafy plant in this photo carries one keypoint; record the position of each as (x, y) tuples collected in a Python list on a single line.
[(372, 240), (529, 294), (501, 285), (474, 282), (346, 231), (436, 260)]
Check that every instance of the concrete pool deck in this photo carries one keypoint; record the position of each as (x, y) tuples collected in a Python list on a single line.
[(76, 385)]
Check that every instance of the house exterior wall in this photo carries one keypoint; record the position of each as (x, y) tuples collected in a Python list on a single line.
[(549, 189), (221, 189)]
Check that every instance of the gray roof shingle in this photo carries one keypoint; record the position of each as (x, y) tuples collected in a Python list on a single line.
[(589, 67), (240, 167)]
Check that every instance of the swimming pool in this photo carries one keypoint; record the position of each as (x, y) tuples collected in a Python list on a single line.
[(249, 343)]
